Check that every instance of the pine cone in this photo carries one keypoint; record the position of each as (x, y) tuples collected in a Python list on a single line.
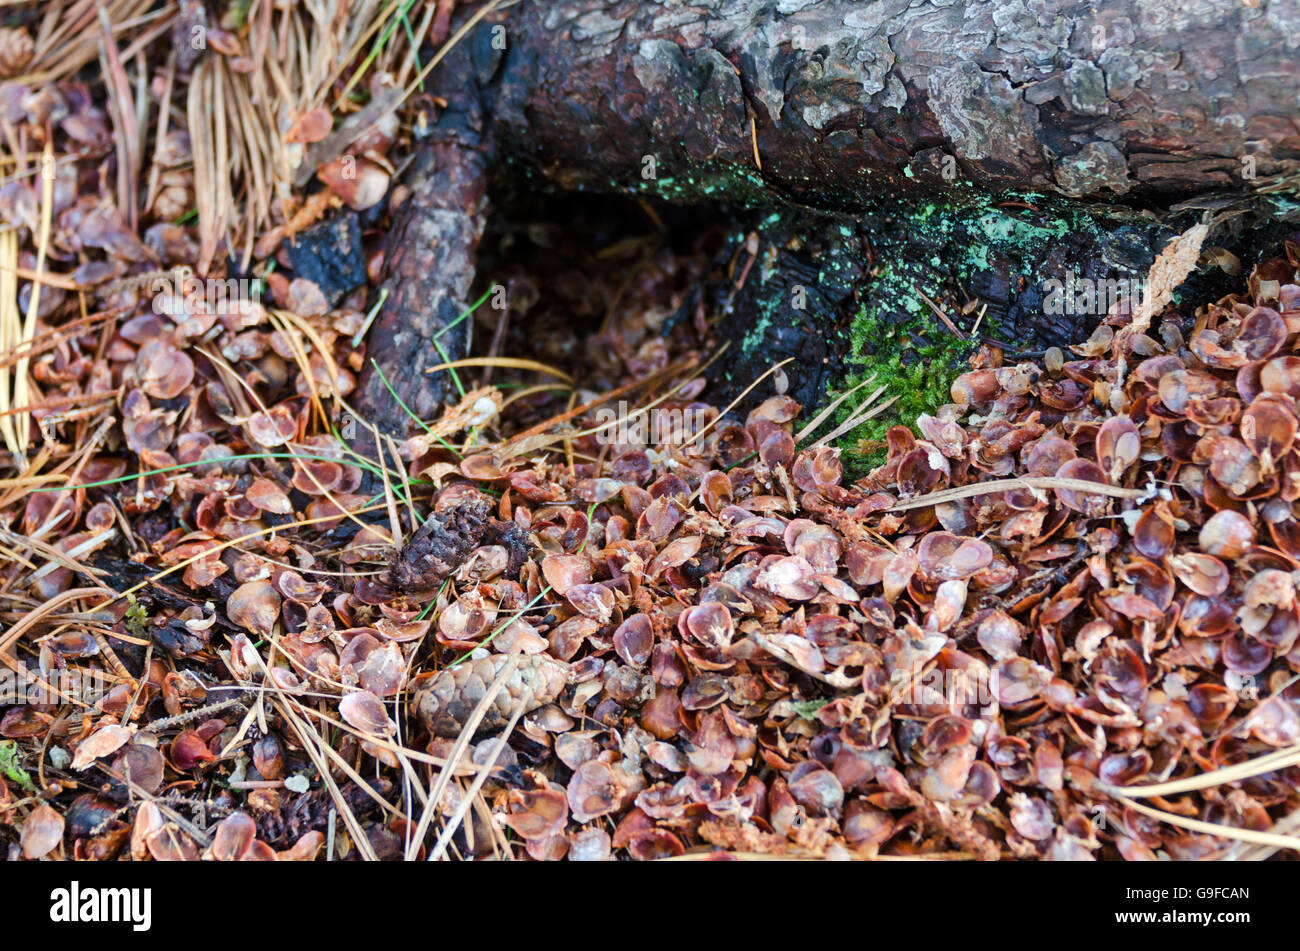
[(445, 702), (16, 51), (442, 544), (293, 816)]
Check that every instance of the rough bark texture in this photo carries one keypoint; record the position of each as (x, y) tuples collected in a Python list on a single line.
[(1132, 97), (429, 267), (853, 108)]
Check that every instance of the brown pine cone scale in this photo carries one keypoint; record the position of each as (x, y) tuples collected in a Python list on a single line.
[(16, 51), (445, 702)]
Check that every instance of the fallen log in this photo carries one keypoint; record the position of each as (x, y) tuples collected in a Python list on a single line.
[(828, 101)]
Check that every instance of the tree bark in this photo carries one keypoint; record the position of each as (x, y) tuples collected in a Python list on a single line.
[(429, 264), (840, 107), (1150, 99)]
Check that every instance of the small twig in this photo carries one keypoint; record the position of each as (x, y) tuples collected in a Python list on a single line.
[(166, 723), (257, 784), (938, 312)]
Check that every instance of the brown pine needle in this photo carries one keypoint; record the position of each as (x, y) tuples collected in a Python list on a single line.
[(22, 389), (1279, 759), (863, 413), (938, 312), (822, 416), (1006, 485), (616, 393), (732, 405), (1214, 828), (510, 363)]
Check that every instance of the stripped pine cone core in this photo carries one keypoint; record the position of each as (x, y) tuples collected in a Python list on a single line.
[(444, 704), (443, 543)]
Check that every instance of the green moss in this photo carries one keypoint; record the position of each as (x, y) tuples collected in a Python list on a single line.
[(10, 767), (936, 247), (915, 360), (137, 618)]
